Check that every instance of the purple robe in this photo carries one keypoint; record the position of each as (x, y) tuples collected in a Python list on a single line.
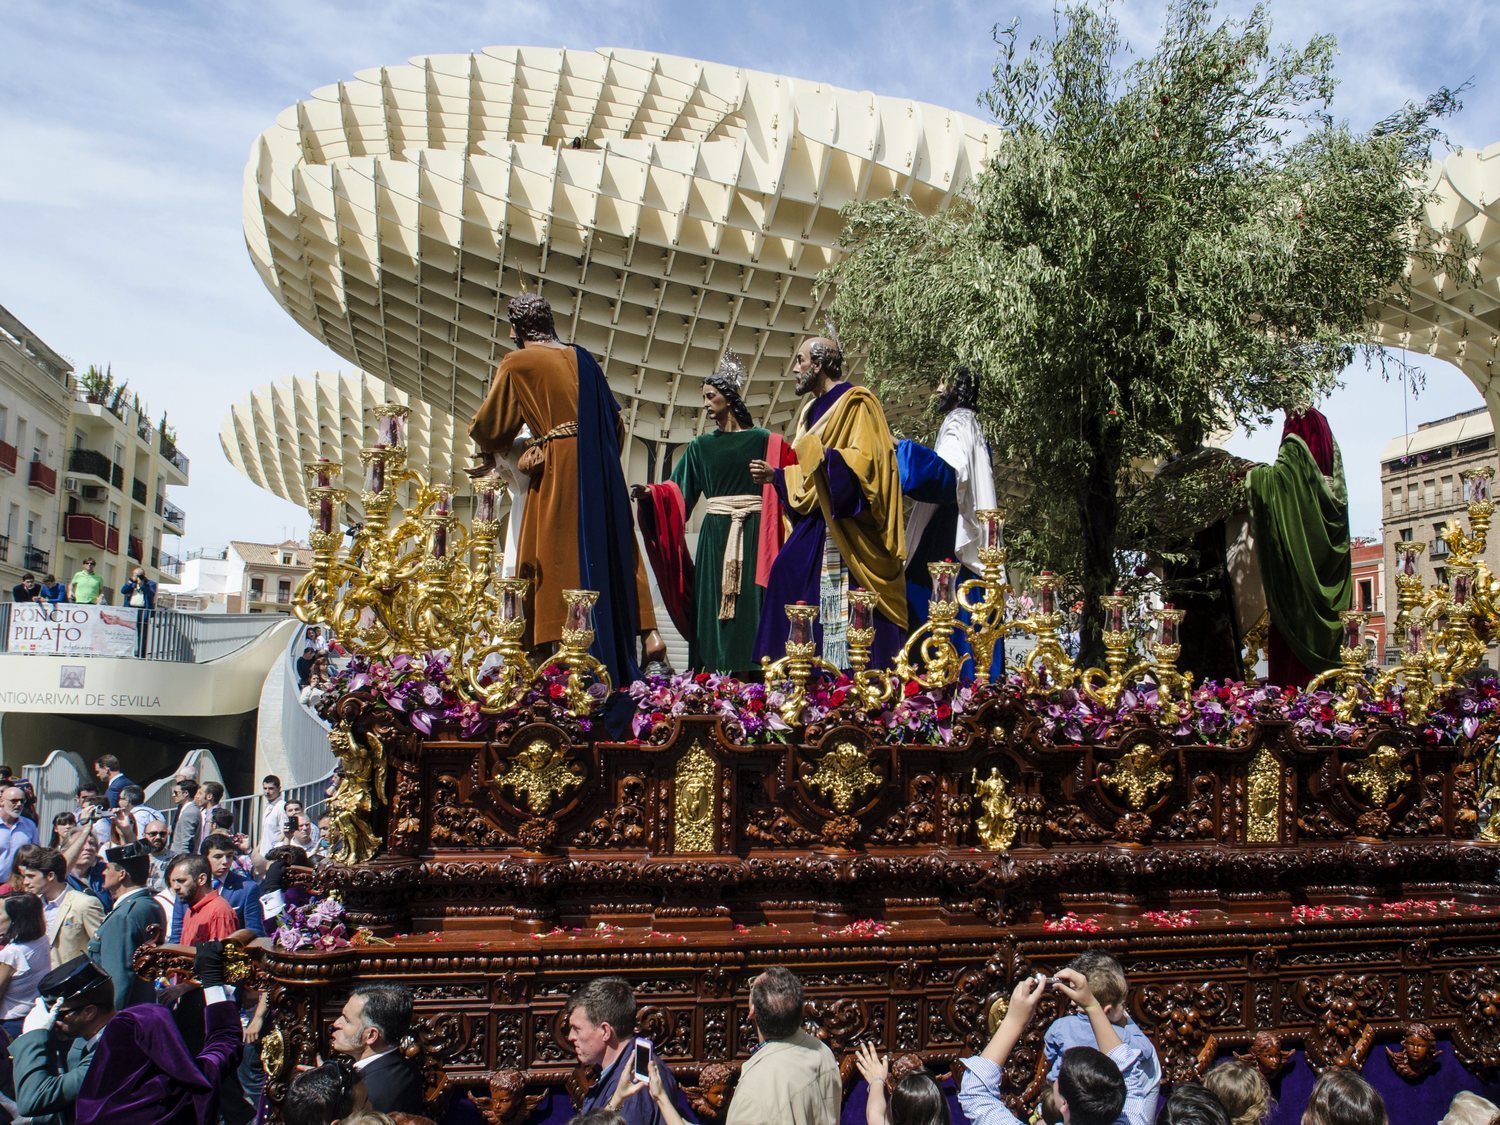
[(143, 1073), (797, 572)]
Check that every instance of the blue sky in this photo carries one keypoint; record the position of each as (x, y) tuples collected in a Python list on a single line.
[(125, 128)]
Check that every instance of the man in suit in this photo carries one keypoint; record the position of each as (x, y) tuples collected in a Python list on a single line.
[(369, 1030), (56, 1046), (73, 917), (185, 830), (136, 920)]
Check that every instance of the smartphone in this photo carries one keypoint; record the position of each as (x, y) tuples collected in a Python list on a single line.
[(292, 823), (643, 1060)]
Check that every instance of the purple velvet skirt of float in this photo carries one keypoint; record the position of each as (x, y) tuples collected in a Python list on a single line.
[(798, 569)]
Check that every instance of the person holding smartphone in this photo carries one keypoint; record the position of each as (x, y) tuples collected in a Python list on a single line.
[(601, 1030)]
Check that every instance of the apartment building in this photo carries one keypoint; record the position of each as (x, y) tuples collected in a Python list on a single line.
[(36, 393), (271, 572), (1422, 488)]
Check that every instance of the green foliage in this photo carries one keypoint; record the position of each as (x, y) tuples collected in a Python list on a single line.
[(1156, 252), (98, 385)]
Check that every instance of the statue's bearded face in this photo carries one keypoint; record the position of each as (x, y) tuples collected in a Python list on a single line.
[(804, 371)]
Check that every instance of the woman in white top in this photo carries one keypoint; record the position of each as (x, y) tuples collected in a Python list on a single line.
[(25, 958)]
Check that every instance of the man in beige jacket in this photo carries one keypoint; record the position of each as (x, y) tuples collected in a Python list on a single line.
[(792, 1077), (73, 917)]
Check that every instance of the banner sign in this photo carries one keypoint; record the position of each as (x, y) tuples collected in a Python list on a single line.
[(72, 630)]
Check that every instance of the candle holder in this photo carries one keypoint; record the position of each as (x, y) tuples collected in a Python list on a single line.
[(797, 665), (929, 656), (1478, 491), (868, 688), (1349, 676), (507, 627), (1104, 685), (983, 598), (1048, 657), (584, 670), (1172, 686)]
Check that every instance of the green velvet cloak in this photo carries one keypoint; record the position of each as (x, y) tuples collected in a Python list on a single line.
[(1301, 524)]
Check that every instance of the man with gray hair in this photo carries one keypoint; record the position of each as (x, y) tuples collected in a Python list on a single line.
[(16, 830), (601, 1030), (792, 1076), (844, 498)]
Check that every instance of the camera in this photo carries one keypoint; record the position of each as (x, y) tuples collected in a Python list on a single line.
[(293, 823)]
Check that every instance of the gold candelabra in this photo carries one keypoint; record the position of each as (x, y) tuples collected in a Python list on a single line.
[(930, 657), (415, 580), (1045, 624), (584, 670), (983, 598), (1349, 676), (800, 659), (1104, 685), (1172, 686), (868, 687)]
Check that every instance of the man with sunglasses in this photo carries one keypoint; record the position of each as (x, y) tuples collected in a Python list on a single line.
[(75, 1003)]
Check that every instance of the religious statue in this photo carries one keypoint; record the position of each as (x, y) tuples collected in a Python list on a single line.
[(949, 483), (576, 531), (1299, 509), (997, 816), (715, 600), (843, 493), (361, 787)]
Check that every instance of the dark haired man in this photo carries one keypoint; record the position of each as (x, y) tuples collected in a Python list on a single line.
[(107, 770), (188, 827), (73, 917), (601, 1030), (792, 1076), (374, 1020), (135, 920), (26, 590), (1089, 1089), (233, 885), (209, 917), (843, 493)]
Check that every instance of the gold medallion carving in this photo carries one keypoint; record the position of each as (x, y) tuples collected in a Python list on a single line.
[(842, 774), (996, 824), (1380, 774), (538, 774), (273, 1052), (1263, 799), (695, 806), (1137, 775)]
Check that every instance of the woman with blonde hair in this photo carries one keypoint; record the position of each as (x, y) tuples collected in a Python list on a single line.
[(1242, 1091)]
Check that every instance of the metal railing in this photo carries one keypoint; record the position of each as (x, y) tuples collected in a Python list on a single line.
[(138, 491), (169, 564), (170, 451), (34, 558), (182, 638), (172, 514)]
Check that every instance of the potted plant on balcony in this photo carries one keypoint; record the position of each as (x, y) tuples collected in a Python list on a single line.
[(117, 400), (168, 438), (97, 385)]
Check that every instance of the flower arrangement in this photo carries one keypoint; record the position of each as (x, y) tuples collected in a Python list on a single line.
[(420, 689), (319, 924), (752, 712)]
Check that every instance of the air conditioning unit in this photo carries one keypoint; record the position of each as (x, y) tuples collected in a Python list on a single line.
[(72, 485), (94, 492)]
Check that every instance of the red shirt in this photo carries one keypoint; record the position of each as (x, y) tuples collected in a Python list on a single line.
[(208, 919)]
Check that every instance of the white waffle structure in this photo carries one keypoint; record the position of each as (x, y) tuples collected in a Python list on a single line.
[(669, 209)]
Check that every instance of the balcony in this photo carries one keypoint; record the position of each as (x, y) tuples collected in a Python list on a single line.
[(170, 451), (138, 492), (172, 515), (133, 548), (112, 540), (7, 457), (85, 529), (34, 558), (143, 428), (89, 461), (1438, 549), (43, 478), (117, 477), (167, 564)]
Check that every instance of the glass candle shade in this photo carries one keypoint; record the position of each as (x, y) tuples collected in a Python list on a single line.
[(325, 514), (1167, 627), (322, 473), (991, 529), (375, 475), (799, 625), (1416, 637), (440, 541), (1046, 593), (1477, 485), (1463, 585), (510, 601), (1114, 612), (1354, 630), (1406, 560), (861, 609), (443, 505), (943, 576), (580, 614), (484, 502), (390, 427)]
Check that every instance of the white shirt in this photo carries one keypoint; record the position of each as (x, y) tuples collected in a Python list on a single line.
[(360, 1064), (30, 961), (272, 824)]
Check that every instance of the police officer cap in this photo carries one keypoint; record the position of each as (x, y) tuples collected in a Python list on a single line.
[(122, 852), (73, 979)]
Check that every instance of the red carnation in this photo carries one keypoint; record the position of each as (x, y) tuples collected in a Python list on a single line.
[(943, 711), (911, 688), (556, 691)]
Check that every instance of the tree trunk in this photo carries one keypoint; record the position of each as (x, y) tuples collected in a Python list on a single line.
[(1099, 519)]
